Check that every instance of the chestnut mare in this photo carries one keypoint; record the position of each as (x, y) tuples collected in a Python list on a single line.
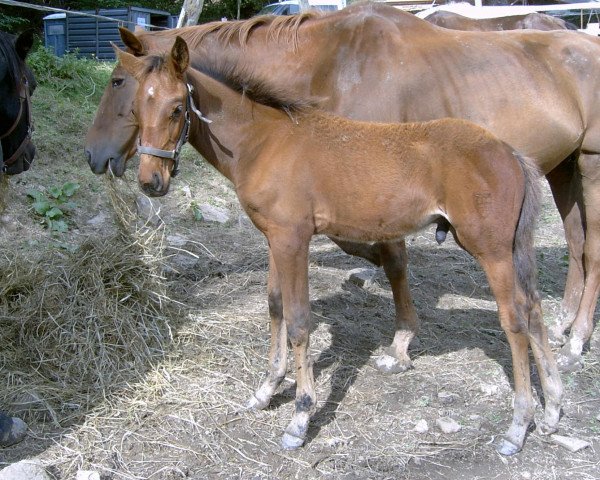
[(354, 180), (535, 90), (535, 21)]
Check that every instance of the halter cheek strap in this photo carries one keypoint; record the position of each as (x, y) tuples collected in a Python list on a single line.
[(24, 98), (183, 136)]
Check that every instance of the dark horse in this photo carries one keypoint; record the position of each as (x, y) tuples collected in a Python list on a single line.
[(16, 150), (535, 21), (538, 91), (17, 83), (298, 171)]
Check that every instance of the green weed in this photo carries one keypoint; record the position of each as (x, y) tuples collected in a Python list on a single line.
[(54, 205)]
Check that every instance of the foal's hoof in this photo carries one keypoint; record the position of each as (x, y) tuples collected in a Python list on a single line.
[(12, 430), (568, 362), (507, 448), (388, 364), (256, 404), (291, 442)]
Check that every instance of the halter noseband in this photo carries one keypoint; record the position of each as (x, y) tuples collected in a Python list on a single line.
[(183, 136), (24, 98)]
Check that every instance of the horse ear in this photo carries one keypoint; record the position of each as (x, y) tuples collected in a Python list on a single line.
[(132, 42), (24, 43), (180, 56), (129, 62)]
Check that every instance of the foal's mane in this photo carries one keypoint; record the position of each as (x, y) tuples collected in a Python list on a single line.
[(12, 60), (279, 27)]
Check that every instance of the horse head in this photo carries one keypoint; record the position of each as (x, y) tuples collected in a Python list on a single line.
[(17, 84), (161, 107), (114, 118)]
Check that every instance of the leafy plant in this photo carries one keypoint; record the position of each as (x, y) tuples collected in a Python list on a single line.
[(54, 205), (196, 211)]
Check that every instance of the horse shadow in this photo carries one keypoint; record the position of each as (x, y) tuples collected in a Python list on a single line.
[(355, 342)]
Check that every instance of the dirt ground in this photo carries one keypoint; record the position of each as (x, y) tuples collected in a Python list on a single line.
[(182, 416)]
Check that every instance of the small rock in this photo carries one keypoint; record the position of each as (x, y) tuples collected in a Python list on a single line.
[(363, 277), (448, 425), (490, 390), (187, 191), (598, 417), (87, 475), (176, 240), (421, 426), (211, 213), (570, 443), (97, 220), (526, 475), (24, 470), (447, 398), (148, 210)]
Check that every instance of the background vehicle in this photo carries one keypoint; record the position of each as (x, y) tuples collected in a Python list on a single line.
[(289, 7)]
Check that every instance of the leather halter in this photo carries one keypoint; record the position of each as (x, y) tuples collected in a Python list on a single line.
[(183, 135), (24, 98)]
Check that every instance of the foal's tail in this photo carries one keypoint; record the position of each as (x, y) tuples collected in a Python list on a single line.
[(523, 250)]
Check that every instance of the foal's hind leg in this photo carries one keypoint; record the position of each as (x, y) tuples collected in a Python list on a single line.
[(502, 280), (278, 350), (392, 256)]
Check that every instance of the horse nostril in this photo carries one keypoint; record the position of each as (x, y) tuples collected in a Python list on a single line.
[(157, 181)]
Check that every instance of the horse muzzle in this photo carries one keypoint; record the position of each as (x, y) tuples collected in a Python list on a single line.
[(156, 185), (20, 163), (100, 163)]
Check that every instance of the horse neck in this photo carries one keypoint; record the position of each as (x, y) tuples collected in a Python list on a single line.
[(236, 124)]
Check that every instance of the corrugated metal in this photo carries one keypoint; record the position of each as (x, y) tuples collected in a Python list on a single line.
[(92, 37)]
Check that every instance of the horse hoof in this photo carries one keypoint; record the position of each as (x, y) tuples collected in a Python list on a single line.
[(544, 429), (256, 404), (12, 430), (555, 340), (568, 363), (507, 448), (388, 364), (291, 442)]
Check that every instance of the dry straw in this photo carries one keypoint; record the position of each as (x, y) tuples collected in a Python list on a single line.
[(75, 325)]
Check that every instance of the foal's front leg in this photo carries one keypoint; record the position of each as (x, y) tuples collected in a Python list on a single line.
[(290, 254), (278, 350)]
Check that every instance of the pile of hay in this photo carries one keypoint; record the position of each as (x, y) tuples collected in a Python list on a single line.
[(75, 325)]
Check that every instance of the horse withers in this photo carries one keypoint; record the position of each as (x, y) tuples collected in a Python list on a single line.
[(299, 171), (17, 83)]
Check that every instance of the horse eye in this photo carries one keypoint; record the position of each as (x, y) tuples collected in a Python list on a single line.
[(177, 111), (117, 82)]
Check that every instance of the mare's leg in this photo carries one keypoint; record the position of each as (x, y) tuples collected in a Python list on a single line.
[(565, 182), (278, 350), (290, 254), (546, 366), (581, 329), (392, 256)]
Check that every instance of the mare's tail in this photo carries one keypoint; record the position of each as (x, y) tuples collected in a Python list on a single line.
[(523, 249)]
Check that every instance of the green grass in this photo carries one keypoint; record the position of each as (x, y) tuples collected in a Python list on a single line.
[(64, 104)]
